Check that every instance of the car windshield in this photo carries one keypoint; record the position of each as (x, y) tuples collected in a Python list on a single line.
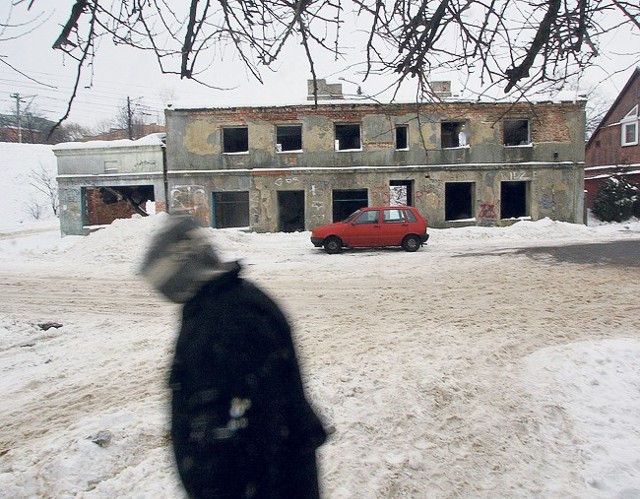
[(352, 216)]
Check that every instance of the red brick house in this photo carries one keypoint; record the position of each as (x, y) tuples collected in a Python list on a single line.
[(614, 147)]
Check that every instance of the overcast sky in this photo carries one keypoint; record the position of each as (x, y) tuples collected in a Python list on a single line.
[(120, 72)]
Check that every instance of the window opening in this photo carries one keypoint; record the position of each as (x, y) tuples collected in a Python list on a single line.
[(516, 132), (458, 200), (346, 201), (348, 137), (235, 139), (230, 209), (401, 192), (453, 134), (629, 129), (289, 138), (103, 205), (513, 199), (402, 137)]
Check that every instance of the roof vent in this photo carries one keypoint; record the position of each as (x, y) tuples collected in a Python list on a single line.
[(326, 91), (441, 89)]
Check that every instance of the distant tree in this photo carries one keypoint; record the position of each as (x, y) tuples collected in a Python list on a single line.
[(34, 207), (39, 130), (45, 182), (131, 117), (518, 45), (616, 201), (597, 107), (68, 132)]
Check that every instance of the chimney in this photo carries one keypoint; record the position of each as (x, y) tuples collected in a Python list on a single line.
[(326, 91), (441, 89)]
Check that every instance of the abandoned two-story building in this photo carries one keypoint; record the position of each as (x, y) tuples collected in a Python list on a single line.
[(288, 168)]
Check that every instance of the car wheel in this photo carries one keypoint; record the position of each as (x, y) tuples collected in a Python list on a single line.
[(411, 243), (332, 245)]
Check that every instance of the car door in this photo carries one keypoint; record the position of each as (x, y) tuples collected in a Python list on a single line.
[(394, 227), (364, 230)]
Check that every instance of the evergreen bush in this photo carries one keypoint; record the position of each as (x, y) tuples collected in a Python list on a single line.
[(616, 201)]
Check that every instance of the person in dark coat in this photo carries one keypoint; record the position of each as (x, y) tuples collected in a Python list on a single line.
[(241, 425)]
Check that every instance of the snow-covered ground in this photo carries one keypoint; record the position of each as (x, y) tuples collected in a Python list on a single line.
[(466, 369)]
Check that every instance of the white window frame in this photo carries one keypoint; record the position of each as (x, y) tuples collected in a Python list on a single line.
[(629, 121)]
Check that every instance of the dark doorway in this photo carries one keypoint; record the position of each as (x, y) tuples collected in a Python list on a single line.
[(458, 200), (230, 209), (290, 211), (346, 201), (513, 199)]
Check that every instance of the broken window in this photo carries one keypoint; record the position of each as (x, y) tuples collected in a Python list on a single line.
[(402, 137), (516, 132), (235, 139), (346, 201), (289, 138), (453, 134), (348, 137), (629, 130), (230, 209), (458, 200), (103, 205), (513, 199)]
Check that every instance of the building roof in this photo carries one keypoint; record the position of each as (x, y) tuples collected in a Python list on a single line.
[(635, 75)]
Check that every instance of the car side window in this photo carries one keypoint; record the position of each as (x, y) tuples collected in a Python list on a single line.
[(368, 217), (410, 216), (393, 216)]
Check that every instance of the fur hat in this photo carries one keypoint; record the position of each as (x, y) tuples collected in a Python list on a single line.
[(181, 259)]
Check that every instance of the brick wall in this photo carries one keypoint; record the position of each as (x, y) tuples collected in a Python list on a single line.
[(100, 213)]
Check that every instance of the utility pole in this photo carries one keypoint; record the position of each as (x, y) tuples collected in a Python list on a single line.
[(129, 119), (16, 96)]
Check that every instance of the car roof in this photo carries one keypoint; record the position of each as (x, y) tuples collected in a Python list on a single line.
[(399, 207)]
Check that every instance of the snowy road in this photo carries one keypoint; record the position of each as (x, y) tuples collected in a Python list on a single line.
[(417, 360)]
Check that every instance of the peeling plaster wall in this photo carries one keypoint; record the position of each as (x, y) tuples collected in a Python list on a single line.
[(552, 164)]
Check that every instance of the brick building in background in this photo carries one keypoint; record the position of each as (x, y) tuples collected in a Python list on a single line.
[(614, 147), (287, 168)]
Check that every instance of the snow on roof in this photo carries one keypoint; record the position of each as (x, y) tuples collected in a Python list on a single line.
[(348, 99), (154, 139)]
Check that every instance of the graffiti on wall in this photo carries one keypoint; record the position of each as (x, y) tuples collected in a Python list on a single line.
[(487, 216), (547, 202), (192, 198), (254, 207), (517, 175), (280, 181), (428, 189), (145, 163), (318, 213), (380, 195)]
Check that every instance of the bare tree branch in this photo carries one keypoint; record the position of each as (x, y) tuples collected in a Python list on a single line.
[(514, 44)]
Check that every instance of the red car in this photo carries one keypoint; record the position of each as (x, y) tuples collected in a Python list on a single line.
[(373, 227)]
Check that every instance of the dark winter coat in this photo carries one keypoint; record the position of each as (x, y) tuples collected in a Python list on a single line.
[(241, 425)]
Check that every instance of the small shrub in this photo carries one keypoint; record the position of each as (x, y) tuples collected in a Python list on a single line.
[(616, 201)]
